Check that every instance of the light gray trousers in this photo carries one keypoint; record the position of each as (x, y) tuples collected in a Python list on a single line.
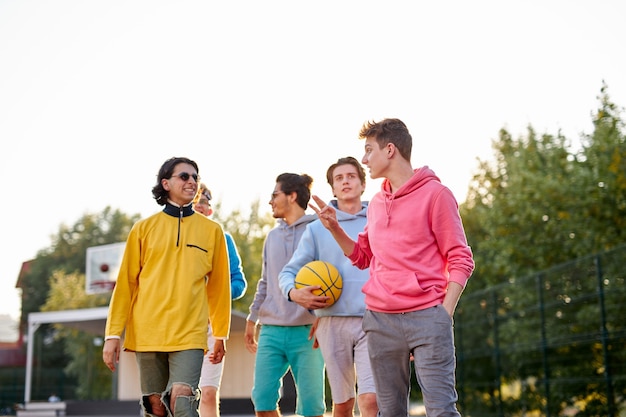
[(428, 334)]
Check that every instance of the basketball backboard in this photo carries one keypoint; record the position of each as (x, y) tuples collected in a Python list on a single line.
[(103, 264)]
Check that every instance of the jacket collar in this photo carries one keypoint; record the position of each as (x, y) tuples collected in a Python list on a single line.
[(177, 211)]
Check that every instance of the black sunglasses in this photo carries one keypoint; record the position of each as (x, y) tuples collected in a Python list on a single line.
[(185, 176)]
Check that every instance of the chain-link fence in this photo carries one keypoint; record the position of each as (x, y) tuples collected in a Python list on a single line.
[(550, 344)]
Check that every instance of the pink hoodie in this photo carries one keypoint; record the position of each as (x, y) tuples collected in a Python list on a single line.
[(414, 244)]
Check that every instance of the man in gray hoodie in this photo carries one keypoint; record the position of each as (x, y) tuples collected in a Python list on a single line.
[(283, 341)]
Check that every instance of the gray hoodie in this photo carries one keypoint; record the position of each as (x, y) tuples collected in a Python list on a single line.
[(269, 305)]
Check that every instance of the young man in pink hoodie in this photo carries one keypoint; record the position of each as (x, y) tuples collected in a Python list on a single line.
[(415, 246)]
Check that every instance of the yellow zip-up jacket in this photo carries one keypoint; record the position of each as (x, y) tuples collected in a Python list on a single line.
[(174, 277)]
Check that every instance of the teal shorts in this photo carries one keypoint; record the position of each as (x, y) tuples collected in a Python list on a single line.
[(282, 347)]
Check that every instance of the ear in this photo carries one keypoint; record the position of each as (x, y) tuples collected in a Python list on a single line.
[(165, 184), (391, 149)]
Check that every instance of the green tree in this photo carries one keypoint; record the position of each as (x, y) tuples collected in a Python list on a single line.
[(67, 292), (602, 181), (541, 203), (67, 252), (538, 204), (66, 255), (249, 235), (516, 213)]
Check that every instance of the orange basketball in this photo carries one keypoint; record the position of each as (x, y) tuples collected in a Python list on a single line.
[(324, 275)]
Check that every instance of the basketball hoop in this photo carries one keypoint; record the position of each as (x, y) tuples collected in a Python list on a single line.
[(103, 264)]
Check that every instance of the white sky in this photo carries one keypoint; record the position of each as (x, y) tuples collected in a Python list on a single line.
[(95, 95)]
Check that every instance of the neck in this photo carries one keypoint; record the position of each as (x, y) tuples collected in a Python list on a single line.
[(400, 175), (350, 206), (178, 203), (293, 215)]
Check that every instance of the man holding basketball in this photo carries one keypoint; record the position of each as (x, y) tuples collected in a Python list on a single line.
[(338, 330), (415, 246)]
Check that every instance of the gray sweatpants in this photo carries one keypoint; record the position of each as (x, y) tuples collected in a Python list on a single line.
[(428, 334)]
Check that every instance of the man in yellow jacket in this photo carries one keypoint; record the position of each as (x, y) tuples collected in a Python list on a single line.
[(170, 260)]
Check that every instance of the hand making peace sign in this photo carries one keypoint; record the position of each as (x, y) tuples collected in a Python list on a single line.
[(326, 213)]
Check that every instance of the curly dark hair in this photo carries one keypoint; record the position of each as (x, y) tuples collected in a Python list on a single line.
[(165, 172)]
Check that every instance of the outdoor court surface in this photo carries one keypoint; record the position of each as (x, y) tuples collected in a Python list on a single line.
[(416, 410)]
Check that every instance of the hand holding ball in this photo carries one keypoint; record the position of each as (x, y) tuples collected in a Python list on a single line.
[(323, 275)]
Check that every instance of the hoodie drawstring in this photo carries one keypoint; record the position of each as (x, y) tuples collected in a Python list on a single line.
[(388, 204)]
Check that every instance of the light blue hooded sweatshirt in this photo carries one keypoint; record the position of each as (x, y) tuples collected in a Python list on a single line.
[(318, 244)]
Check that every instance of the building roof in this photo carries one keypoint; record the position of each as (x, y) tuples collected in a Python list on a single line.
[(93, 320)]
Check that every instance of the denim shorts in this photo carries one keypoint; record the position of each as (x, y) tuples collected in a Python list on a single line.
[(158, 371)]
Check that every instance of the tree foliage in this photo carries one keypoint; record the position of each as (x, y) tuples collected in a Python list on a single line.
[(540, 202), (603, 180), (67, 252), (61, 261), (249, 236), (67, 292)]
